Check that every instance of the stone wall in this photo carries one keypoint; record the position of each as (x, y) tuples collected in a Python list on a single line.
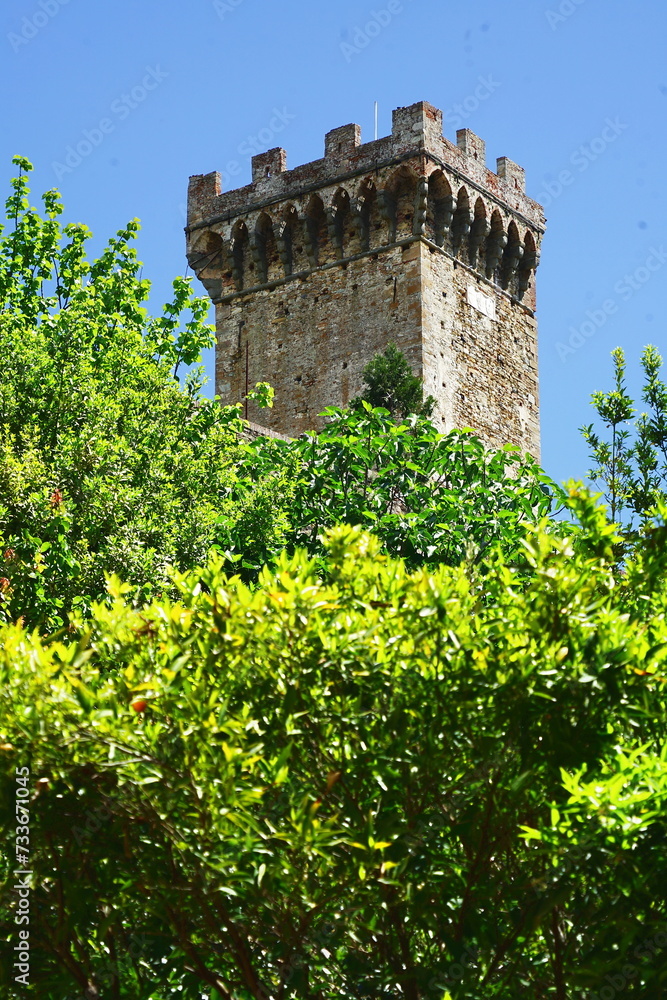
[(479, 355), (312, 339)]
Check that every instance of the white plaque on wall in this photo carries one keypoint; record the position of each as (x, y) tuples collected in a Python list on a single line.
[(481, 302)]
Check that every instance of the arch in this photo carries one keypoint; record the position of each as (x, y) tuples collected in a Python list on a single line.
[(511, 256), (495, 245), (266, 250), (462, 221), (316, 231), (401, 198), (368, 215), (291, 243), (440, 210), (243, 268), (528, 263), (479, 230)]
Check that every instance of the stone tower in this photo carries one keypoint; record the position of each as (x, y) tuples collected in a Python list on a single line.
[(409, 239)]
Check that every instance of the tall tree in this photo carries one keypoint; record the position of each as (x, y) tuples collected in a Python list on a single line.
[(107, 463)]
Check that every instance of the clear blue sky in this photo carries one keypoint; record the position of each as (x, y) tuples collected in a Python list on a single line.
[(579, 98)]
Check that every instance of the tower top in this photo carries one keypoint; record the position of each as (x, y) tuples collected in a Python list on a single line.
[(416, 130), (409, 238)]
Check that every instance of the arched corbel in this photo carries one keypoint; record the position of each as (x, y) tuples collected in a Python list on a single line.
[(461, 227), (479, 232), (529, 264), (334, 228), (281, 234), (421, 207), (511, 260), (495, 247)]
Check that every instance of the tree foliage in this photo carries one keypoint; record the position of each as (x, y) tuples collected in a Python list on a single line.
[(439, 783), (427, 762), (390, 384), (430, 498), (632, 466), (107, 464)]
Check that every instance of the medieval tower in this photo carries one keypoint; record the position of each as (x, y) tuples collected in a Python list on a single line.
[(409, 239)]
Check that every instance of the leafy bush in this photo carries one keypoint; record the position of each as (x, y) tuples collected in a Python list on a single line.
[(383, 783), (430, 498)]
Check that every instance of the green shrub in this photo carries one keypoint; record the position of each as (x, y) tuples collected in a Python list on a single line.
[(383, 783)]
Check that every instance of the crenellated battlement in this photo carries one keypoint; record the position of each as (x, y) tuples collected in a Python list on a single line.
[(410, 238), (359, 197), (416, 130)]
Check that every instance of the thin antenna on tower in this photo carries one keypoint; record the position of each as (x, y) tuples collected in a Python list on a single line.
[(376, 119)]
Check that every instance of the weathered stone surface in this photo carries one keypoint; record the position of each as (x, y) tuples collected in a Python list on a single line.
[(408, 239)]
